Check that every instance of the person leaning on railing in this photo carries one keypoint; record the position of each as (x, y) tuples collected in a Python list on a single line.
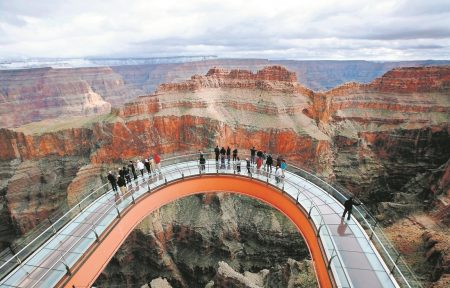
[(348, 206)]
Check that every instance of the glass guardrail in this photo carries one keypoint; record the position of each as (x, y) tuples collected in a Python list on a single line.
[(397, 265), (174, 173), (11, 258)]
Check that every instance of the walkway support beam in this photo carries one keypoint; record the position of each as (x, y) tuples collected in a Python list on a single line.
[(86, 271)]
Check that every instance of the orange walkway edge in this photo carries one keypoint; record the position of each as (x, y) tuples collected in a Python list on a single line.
[(90, 266)]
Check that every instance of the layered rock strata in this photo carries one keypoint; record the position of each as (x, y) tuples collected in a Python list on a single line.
[(386, 141), (35, 94)]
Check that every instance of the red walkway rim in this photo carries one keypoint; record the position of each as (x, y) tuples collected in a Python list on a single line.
[(95, 260)]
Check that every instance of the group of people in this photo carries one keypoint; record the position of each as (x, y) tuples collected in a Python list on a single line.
[(260, 159), (120, 180)]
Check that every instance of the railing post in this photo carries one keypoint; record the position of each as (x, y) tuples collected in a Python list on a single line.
[(78, 200), (97, 239), (51, 224), (395, 264), (15, 255), (132, 198), (165, 180), (309, 213), (373, 230), (318, 230), (329, 262), (117, 210), (67, 269)]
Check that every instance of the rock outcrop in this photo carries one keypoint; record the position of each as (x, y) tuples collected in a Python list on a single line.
[(386, 141), (35, 94)]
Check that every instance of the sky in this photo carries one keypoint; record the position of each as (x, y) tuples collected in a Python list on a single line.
[(317, 29)]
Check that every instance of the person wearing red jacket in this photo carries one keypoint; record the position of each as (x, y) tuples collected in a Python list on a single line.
[(157, 160)]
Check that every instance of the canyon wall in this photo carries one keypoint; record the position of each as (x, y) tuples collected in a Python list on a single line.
[(30, 95), (386, 141)]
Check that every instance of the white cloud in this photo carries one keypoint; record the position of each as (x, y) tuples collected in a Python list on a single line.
[(320, 29)]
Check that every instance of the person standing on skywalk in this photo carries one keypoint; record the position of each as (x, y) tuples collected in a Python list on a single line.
[(348, 206)]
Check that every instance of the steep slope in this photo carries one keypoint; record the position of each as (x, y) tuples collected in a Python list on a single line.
[(35, 94), (386, 141)]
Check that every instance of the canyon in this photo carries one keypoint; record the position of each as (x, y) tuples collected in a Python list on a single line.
[(30, 95), (386, 141)]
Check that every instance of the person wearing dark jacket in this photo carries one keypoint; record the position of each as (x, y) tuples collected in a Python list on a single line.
[(122, 184), (147, 166), (228, 154), (133, 170), (202, 161), (222, 158), (348, 206), (217, 151), (235, 153), (248, 166), (252, 154), (121, 173), (113, 181), (269, 163), (126, 172)]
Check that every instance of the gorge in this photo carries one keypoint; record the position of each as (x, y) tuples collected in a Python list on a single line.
[(386, 141)]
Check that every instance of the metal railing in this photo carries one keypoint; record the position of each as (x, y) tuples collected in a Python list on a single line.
[(398, 268), (33, 239), (191, 168)]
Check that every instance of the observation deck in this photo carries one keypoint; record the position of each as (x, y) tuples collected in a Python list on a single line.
[(74, 249)]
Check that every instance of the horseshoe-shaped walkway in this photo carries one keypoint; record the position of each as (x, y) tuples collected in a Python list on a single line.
[(77, 248)]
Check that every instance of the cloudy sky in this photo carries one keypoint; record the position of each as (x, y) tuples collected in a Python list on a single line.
[(275, 29)]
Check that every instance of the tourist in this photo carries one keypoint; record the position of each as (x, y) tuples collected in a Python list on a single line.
[(259, 154), (222, 158), (228, 154), (252, 155), (248, 166), (238, 165), (152, 165), (122, 184), (278, 174), (122, 173), (133, 169), (348, 206), (269, 163), (147, 166), (235, 153), (202, 161), (126, 173), (140, 167), (113, 181), (157, 162), (283, 168), (263, 158), (279, 161), (259, 163), (217, 151)]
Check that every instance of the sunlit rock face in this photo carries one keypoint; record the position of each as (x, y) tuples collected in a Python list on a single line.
[(387, 141), (31, 95)]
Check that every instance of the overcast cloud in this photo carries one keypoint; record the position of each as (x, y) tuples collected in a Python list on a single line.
[(328, 29)]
